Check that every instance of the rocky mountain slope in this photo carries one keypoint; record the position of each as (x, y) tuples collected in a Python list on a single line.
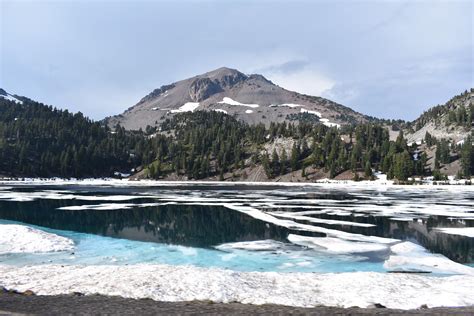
[(452, 121), (250, 98)]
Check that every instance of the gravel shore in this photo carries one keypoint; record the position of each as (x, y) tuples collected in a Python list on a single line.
[(21, 304)]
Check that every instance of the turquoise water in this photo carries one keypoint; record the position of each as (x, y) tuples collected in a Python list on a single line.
[(93, 249), (189, 225)]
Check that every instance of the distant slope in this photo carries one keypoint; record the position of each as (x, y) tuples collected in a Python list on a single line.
[(452, 120), (7, 96), (250, 98)]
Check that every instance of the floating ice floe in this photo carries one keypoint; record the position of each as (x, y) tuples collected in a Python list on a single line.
[(22, 239), (248, 111), (257, 245), (187, 283), (229, 101), (187, 107), (461, 231), (300, 217), (336, 245), (409, 257), (110, 206)]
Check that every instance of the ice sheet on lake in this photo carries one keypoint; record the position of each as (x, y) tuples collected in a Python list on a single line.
[(187, 283), (407, 256), (58, 195), (22, 239), (255, 213), (110, 206)]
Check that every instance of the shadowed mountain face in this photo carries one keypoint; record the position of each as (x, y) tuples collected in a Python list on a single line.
[(251, 98)]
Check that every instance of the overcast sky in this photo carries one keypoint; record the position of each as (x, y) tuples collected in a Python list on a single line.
[(391, 59)]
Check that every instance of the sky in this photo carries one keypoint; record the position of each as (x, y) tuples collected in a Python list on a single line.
[(385, 58)]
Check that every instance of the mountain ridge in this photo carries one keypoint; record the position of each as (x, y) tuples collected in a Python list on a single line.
[(250, 98)]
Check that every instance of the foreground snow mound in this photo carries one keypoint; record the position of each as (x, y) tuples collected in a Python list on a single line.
[(186, 283), (19, 239), (408, 257)]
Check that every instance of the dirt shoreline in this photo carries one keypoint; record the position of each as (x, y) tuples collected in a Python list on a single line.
[(21, 304)]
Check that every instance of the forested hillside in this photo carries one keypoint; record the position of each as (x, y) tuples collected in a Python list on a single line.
[(39, 140), (207, 143), (459, 111)]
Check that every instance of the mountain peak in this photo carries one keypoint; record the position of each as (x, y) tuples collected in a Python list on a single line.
[(250, 98), (222, 71)]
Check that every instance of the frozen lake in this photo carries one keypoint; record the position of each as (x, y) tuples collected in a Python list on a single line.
[(290, 230)]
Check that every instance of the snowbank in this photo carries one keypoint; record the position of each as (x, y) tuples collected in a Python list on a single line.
[(186, 283), (20, 239)]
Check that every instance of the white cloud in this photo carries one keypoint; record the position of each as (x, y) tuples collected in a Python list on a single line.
[(305, 80)]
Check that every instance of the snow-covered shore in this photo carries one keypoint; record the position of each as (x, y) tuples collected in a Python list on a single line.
[(382, 181), (187, 283)]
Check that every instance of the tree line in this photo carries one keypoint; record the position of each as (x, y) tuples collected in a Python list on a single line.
[(39, 140)]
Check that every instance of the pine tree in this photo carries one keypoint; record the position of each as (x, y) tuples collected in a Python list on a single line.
[(368, 170), (275, 169), (295, 157), (283, 162), (266, 165), (467, 158)]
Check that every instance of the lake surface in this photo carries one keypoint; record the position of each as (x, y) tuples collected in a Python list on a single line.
[(318, 228)]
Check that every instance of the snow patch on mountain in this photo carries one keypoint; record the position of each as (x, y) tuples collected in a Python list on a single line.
[(221, 111), (187, 107), (311, 112), (288, 105), (229, 101), (10, 98)]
